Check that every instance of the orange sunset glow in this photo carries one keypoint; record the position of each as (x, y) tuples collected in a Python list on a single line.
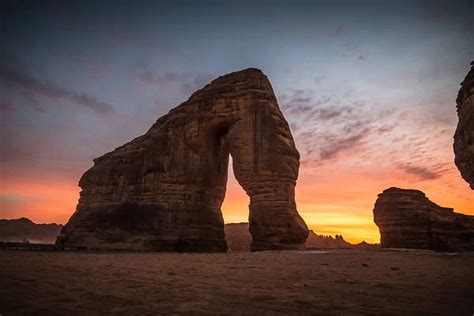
[(332, 199)]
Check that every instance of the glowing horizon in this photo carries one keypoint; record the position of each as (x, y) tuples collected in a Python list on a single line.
[(353, 221)]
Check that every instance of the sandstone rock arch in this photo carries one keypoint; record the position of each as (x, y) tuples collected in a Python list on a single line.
[(163, 190)]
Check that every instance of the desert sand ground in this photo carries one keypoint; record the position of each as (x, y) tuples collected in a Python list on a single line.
[(347, 282)]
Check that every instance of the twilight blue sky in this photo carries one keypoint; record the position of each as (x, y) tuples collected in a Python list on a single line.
[(368, 88)]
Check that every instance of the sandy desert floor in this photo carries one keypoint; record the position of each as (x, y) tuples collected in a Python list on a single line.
[(339, 282)]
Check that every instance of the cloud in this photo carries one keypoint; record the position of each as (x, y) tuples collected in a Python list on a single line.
[(337, 32), (97, 73), (96, 69), (336, 147), (13, 76), (198, 82), (91, 103), (163, 79), (6, 107), (186, 83), (420, 172), (319, 79), (387, 128), (349, 49)]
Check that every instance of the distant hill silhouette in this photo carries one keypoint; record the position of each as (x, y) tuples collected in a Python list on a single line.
[(239, 239), (22, 229)]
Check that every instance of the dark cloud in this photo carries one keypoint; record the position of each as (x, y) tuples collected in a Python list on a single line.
[(301, 100), (198, 82), (329, 113), (299, 109), (95, 67), (387, 128), (354, 126), (186, 83), (163, 79), (91, 103), (12, 75), (349, 49), (6, 107), (319, 79), (421, 173), (339, 146), (337, 32), (33, 101), (97, 73)]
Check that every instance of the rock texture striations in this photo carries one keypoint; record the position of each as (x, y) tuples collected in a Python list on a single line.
[(408, 219), (163, 190), (464, 135)]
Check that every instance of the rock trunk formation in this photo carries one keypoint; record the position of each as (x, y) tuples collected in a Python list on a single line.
[(464, 135), (408, 219), (163, 190)]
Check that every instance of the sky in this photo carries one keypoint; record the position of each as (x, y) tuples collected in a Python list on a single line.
[(368, 88)]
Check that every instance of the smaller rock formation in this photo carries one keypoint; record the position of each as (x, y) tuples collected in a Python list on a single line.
[(464, 135), (408, 219), (23, 229)]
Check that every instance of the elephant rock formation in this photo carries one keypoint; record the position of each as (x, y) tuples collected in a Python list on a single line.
[(163, 190), (464, 135), (408, 219)]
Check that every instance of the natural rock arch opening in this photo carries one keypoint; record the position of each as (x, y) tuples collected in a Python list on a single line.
[(235, 207), (170, 182)]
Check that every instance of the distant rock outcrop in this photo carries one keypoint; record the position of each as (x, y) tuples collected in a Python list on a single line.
[(23, 229), (163, 190), (408, 219), (239, 239), (321, 241), (464, 135)]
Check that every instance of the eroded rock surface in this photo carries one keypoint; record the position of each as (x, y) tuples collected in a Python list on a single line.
[(163, 190), (464, 135), (408, 219)]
